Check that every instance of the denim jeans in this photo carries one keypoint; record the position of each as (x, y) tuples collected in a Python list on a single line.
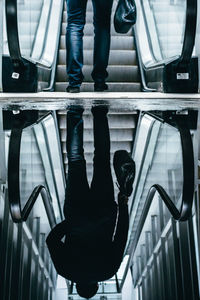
[(76, 10)]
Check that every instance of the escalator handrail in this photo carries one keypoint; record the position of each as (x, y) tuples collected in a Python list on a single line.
[(12, 33), (190, 31), (14, 43), (187, 193), (189, 35), (17, 213)]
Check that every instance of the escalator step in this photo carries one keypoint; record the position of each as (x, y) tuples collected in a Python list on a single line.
[(116, 120), (112, 87), (116, 73), (117, 57), (117, 43), (89, 16), (117, 135), (89, 30), (88, 147)]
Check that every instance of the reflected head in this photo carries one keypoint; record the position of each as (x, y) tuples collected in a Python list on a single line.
[(87, 290)]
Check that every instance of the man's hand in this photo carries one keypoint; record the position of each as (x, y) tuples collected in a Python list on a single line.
[(122, 199)]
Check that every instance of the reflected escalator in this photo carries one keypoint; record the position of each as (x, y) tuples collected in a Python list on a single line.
[(35, 193), (163, 192)]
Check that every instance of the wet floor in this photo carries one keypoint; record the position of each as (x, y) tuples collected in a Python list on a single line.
[(123, 102)]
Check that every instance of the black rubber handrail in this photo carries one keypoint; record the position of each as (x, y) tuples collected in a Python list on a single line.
[(187, 192), (12, 33), (17, 213), (190, 31)]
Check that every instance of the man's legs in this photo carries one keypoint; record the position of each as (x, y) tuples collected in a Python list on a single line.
[(102, 16), (77, 190), (102, 189), (76, 10)]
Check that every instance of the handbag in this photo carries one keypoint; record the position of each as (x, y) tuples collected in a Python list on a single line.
[(125, 16)]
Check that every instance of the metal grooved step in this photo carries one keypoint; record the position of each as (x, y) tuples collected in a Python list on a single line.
[(123, 69)]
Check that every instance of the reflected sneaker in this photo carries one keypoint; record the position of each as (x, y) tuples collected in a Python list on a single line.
[(100, 87), (124, 167), (99, 109), (73, 89)]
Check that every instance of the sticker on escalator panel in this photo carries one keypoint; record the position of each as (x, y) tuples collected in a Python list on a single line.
[(15, 75), (182, 76)]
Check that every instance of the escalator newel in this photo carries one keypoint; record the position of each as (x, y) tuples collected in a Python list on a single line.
[(19, 78), (181, 77)]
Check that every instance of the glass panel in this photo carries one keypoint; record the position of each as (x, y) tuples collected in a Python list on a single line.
[(162, 165), (138, 198), (52, 136), (31, 167), (29, 13), (36, 167), (38, 28), (166, 24), (145, 124)]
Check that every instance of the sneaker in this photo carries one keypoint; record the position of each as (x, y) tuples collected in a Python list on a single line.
[(124, 167), (100, 87), (73, 89)]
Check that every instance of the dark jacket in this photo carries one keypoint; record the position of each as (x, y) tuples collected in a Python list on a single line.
[(89, 257)]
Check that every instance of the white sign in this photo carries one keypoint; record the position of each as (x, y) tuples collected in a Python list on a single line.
[(182, 76)]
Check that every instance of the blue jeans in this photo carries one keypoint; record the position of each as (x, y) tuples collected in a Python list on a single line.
[(76, 10)]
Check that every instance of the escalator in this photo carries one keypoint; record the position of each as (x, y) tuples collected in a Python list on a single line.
[(123, 68), (152, 57), (158, 244)]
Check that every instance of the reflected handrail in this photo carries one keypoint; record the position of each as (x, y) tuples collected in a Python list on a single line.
[(187, 195), (20, 215), (188, 172)]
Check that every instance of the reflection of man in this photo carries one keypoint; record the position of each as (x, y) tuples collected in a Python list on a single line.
[(76, 10), (94, 241)]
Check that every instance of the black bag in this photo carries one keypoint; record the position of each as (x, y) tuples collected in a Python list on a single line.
[(125, 16)]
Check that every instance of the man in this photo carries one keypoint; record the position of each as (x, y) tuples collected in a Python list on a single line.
[(94, 242), (76, 10)]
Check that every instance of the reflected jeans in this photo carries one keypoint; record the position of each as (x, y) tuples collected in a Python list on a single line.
[(98, 199), (76, 10)]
